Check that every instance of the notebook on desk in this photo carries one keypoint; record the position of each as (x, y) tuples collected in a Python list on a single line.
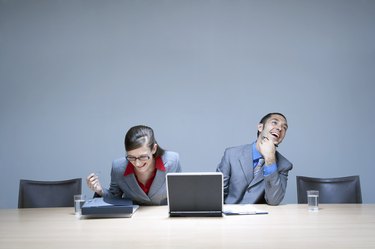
[(108, 208), (195, 194)]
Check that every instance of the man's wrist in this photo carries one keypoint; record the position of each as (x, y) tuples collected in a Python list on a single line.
[(269, 169), (269, 161)]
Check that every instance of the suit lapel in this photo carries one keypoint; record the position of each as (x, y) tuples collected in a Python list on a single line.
[(259, 177), (135, 188), (158, 183), (246, 162)]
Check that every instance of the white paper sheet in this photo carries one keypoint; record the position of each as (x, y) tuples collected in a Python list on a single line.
[(233, 209)]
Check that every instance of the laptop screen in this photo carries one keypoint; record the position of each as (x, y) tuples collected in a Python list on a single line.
[(191, 194)]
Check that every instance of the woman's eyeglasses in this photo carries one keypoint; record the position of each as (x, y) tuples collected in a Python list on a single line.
[(142, 158)]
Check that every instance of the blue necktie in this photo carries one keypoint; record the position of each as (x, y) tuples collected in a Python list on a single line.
[(259, 166)]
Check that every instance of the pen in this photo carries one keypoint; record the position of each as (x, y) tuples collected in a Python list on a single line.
[(264, 137)]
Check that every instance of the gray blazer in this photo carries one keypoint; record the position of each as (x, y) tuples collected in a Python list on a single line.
[(239, 187), (128, 187)]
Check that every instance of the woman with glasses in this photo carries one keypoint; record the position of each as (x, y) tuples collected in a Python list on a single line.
[(140, 175)]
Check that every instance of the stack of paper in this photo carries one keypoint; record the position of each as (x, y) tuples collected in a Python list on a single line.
[(231, 209)]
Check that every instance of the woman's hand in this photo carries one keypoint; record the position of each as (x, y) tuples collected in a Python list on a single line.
[(94, 184)]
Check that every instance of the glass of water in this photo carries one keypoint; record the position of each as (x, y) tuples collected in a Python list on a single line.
[(79, 200), (313, 200)]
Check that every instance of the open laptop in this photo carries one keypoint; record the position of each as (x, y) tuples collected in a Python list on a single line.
[(195, 194)]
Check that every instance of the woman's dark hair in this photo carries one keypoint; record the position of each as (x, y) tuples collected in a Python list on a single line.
[(140, 135), (265, 118)]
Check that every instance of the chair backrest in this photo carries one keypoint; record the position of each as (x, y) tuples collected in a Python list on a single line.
[(331, 190), (37, 194)]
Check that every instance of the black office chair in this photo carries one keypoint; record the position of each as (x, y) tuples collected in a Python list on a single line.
[(331, 190), (37, 194)]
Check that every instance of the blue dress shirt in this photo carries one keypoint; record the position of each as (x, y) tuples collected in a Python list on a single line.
[(267, 170)]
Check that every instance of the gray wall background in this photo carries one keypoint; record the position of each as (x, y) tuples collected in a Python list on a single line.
[(75, 75)]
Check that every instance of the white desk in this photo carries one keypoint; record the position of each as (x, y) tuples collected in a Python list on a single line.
[(286, 226)]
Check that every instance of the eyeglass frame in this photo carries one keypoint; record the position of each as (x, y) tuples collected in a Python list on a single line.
[(134, 159)]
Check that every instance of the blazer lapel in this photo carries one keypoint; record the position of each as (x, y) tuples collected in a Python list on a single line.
[(259, 177), (246, 162), (158, 183), (135, 188)]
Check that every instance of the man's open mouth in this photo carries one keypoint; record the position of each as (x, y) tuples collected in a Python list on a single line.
[(276, 135)]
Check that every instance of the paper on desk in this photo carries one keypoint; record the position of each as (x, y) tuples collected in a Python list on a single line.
[(231, 209), (106, 202)]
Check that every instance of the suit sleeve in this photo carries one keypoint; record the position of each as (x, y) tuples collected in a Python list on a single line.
[(114, 190), (178, 164), (275, 183), (172, 162), (225, 169)]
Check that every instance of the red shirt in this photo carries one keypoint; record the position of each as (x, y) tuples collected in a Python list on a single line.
[(159, 165)]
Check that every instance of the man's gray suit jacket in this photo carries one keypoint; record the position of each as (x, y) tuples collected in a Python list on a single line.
[(240, 186), (128, 187)]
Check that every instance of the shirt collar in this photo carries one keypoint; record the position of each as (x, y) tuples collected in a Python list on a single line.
[(256, 153), (159, 165)]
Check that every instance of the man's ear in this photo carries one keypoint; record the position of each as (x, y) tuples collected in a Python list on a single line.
[(260, 127)]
